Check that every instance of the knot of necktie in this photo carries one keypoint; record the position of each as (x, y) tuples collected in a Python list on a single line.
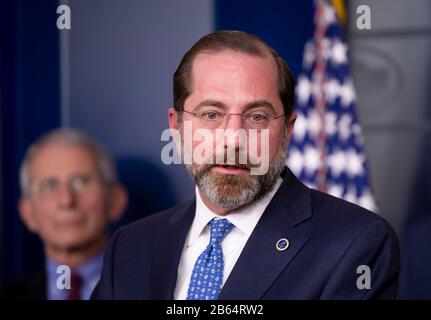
[(219, 229)]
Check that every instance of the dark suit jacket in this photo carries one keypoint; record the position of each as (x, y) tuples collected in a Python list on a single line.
[(329, 239), (415, 275), (32, 288)]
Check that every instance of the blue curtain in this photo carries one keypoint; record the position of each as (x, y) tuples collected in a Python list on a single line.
[(30, 106), (283, 24)]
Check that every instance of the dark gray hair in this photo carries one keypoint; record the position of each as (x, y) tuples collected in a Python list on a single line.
[(72, 138)]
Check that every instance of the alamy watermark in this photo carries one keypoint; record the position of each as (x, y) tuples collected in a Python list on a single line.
[(363, 22), (364, 280), (64, 19), (63, 280), (247, 148)]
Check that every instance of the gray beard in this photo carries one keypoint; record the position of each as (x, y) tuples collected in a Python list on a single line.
[(231, 191)]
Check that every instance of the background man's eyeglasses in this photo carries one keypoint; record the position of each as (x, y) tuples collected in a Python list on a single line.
[(77, 184)]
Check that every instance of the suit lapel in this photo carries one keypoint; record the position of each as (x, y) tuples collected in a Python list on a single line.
[(167, 253), (260, 262)]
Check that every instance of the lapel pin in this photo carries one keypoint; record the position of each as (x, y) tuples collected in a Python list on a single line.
[(282, 244)]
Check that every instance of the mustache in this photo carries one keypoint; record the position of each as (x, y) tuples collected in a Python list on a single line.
[(222, 159)]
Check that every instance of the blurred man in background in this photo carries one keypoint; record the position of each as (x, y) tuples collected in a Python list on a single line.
[(70, 195)]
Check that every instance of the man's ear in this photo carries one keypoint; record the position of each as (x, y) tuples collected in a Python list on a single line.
[(26, 214), (290, 126), (118, 202), (173, 118), (174, 126)]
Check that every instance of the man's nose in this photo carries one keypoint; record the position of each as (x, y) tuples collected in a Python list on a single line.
[(235, 132), (66, 196), (234, 121)]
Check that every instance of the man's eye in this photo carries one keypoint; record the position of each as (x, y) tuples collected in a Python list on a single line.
[(48, 186), (210, 115), (257, 117), (80, 182)]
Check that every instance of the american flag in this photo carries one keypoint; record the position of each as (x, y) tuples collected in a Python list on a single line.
[(326, 151)]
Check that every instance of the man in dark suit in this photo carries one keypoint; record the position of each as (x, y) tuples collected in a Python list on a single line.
[(254, 231), (70, 195), (415, 278)]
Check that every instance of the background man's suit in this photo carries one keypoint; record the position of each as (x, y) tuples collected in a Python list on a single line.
[(31, 288), (329, 238)]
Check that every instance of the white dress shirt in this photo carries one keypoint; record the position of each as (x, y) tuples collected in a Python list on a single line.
[(244, 220)]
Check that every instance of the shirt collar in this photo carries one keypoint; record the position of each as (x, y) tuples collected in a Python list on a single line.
[(91, 269), (245, 218), (88, 269)]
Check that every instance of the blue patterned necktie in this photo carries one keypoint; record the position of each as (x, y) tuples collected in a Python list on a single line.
[(207, 275)]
